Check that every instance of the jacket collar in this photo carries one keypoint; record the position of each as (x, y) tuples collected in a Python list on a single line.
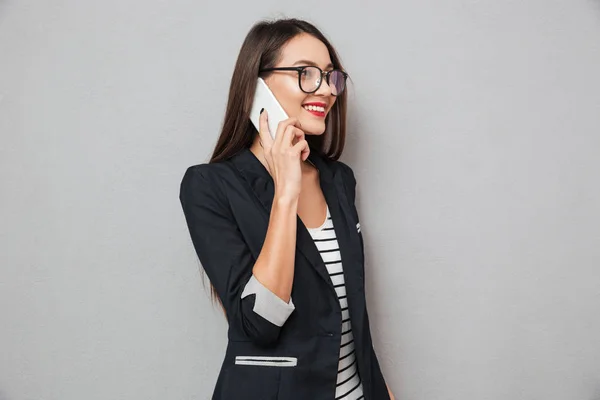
[(332, 185)]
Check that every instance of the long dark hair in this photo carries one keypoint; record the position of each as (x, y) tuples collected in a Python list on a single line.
[(262, 49)]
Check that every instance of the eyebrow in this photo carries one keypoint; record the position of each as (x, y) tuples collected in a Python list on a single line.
[(308, 62)]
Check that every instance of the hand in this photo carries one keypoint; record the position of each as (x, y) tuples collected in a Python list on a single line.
[(284, 155)]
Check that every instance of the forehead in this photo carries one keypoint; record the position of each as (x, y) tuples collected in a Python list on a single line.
[(305, 47)]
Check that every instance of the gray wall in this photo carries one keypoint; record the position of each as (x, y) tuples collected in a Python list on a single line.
[(474, 135)]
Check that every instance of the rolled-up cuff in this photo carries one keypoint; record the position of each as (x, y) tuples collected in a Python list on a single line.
[(267, 304)]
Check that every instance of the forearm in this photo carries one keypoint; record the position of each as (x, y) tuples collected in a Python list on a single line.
[(274, 267)]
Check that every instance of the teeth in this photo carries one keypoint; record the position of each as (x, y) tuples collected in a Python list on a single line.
[(315, 108)]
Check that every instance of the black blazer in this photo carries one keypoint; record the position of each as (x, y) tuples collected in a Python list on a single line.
[(227, 207)]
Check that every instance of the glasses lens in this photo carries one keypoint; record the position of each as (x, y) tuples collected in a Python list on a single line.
[(337, 82), (310, 78)]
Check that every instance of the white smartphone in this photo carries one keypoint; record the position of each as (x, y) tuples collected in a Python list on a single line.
[(264, 98)]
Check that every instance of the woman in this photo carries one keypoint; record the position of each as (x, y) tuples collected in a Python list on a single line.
[(274, 225)]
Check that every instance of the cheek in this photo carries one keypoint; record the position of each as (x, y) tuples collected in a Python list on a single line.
[(288, 94), (292, 102), (291, 98)]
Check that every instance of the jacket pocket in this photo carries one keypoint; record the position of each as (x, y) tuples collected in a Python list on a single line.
[(266, 361)]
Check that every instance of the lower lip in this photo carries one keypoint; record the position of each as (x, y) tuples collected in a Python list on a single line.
[(316, 113)]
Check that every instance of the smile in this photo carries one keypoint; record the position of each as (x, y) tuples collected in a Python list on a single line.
[(315, 110)]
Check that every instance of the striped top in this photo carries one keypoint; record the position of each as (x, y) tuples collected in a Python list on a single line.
[(349, 384)]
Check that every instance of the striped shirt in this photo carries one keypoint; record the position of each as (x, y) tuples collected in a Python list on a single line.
[(349, 384)]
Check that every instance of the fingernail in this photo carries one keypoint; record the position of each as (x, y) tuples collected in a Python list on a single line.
[(261, 110)]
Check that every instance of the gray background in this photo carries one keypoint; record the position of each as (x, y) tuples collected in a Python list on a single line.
[(474, 135)]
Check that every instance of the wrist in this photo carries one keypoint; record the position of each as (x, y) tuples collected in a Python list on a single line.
[(285, 201)]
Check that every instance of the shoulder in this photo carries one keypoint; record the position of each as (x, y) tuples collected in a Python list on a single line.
[(209, 172), (204, 181), (345, 170)]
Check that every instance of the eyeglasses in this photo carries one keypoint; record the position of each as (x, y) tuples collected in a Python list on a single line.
[(311, 77)]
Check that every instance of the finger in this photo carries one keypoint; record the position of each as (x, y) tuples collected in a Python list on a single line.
[(302, 149), (305, 152), (292, 135), (289, 136), (298, 135), (264, 133), (282, 126)]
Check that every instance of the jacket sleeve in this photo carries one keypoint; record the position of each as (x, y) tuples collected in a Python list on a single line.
[(227, 260)]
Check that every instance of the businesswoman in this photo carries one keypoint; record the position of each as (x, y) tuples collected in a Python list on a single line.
[(275, 227)]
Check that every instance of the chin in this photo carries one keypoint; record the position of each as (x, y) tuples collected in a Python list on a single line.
[(312, 128)]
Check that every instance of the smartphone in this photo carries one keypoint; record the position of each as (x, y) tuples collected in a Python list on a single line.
[(264, 98)]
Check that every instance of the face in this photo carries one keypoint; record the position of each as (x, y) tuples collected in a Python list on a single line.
[(303, 50)]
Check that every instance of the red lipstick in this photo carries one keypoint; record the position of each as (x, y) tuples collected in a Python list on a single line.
[(315, 112)]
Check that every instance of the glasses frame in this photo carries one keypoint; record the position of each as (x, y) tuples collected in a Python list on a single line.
[(299, 69)]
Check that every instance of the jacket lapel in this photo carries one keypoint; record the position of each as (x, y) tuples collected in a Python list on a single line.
[(332, 185), (261, 183)]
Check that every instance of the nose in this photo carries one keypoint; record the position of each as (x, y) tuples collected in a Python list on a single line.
[(324, 89)]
